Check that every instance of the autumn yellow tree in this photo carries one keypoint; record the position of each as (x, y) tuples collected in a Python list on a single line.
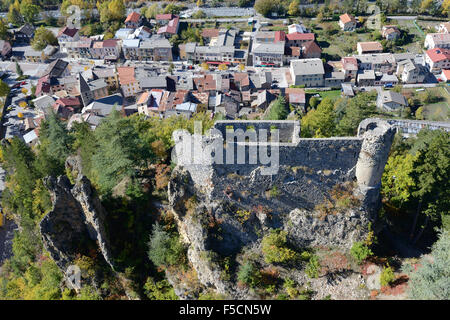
[(223, 67), (446, 8), (426, 5), (241, 67), (205, 66), (294, 8)]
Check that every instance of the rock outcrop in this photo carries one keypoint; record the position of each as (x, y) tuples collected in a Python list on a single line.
[(76, 224)]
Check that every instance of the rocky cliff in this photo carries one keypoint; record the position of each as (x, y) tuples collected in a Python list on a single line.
[(76, 224)]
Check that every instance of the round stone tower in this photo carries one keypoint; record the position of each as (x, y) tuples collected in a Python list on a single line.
[(377, 137)]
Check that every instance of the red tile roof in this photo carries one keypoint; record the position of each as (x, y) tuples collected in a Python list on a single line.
[(210, 33), (295, 95), (345, 18), (166, 16), (180, 97), (110, 43), (67, 31), (293, 51), (205, 83), (438, 54), (349, 63), (242, 78), (72, 101), (301, 36), (133, 17), (171, 27), (43, 85), (446, 73), (370, 46), (311, 47), (280, 36), (126, 75), (202, 97)]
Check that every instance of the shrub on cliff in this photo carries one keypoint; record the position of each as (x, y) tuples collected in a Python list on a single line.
[(165, 249), (274, 248), (313, 267), (431, 281), (250, 275), (161, 290), (360, 251), (387, 276)]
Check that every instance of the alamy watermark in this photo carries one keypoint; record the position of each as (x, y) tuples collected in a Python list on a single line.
[(74, 20), (238, 147), (374, 21)]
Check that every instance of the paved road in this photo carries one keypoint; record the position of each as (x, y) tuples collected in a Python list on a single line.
[(218, 20), (31, 69), (402, 17)]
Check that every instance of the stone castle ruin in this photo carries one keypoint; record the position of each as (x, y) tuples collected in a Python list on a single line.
[(304, 169), (230, 188)]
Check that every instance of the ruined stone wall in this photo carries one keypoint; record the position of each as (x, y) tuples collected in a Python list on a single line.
[(306, 169), (237, 203)]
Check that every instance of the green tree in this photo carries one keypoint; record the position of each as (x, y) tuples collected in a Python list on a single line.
[(55, 146), (248, 274), (320, 122), (397, 181), (19, 70), (113, 10), (432, 279), (117, 9), (172, 8), (86, 144), (4, 34), (358, 108), (387, 276), (152, 11), (161, 290), (4, 89), (360, 251), (274, 248), (313, 102), (14, 15), (121, 152), (278, 110), (313, 267), (29, 10), (199, 14), (42, 38), (165, 249), (432, 169), (266, 7), (294, 8), (419, 114)]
